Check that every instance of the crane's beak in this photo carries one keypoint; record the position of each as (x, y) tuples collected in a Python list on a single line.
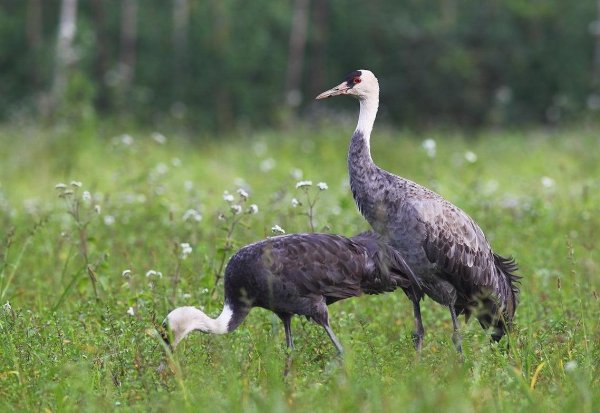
[(164, 334), (340, 89)]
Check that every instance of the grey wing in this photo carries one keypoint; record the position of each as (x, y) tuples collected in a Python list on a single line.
[(456, 244)]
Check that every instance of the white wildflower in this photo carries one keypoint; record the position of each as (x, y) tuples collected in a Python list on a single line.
[(221, 217), (259, 148), (470, 157), (176, 162), (490, 186), (76, 184), (159, 138), (131, 311), (253, 209), (60, 186), (295, 203), (98, 209), (186, 295), (236, 209), (240, 182), (126, 274), (153, 273), (31, 206), (547, 182), (296, 173), (126, 139), (228, 197), (109, 220), (188, 185), (186, 250), (267, 164), (7, 307), (277, 229), (161, 168), (204, 291), (430, 147), (322, 186), (86, 196), (303, 184), (242, 193), (192, 215), (570, 365)]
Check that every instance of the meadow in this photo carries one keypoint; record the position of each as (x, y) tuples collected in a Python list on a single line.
[(103, 231)]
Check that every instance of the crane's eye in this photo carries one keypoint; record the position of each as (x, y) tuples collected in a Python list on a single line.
[(356, 80)]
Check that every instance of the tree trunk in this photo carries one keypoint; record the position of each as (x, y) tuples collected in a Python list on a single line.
[(34, 40), (318, 71), (65, 54), (128, 42), (293, 95), (101, 62), (596, 32), (221, 39), (181, 19)]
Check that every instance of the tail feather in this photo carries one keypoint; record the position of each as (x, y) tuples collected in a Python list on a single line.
[(508, 268), (509, 298)]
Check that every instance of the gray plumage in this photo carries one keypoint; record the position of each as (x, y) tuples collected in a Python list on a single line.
[(444, 247), (301, 274)]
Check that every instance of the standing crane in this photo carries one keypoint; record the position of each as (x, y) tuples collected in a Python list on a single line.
[(297, 274), (444, 247)]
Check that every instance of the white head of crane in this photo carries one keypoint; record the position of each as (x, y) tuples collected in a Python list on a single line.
[(363, 85)]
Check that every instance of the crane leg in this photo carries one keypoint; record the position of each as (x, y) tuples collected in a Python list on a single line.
[(419, 330), (287, 326), (289, 341), (334, 339), (456, 338)]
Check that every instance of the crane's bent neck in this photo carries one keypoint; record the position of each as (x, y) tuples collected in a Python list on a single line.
[(184, 320)]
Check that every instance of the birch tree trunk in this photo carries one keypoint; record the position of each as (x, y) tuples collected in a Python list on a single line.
[(318, 55), (101, 59), (65, 54), (127, 56), (34, 39), (293, 95), (181, 19), (595, 29)]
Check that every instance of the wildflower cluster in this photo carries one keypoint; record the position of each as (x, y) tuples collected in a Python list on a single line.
[(236, 212), (81, 206), (276, 229), (311, 197), (236, 207)]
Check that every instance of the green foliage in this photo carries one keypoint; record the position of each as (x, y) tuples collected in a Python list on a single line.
[(447, 61), (535, 193)]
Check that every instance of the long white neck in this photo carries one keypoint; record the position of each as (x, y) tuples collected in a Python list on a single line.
[(184, 320), (368, 112)]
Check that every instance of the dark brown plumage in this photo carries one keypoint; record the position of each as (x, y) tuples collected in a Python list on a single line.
[(299, 274)]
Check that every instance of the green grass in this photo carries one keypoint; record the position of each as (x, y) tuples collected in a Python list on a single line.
[(67, 346)]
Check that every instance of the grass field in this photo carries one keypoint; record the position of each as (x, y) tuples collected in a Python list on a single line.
[(89, 269)]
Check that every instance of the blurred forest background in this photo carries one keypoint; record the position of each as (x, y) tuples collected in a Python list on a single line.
[(224, 64)]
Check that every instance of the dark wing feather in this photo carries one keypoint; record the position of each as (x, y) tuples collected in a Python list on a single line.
[(390, 268), (320, 264)]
